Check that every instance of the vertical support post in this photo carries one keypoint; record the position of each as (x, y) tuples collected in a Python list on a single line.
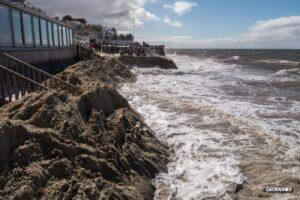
[(22, 87), (29, 86), (39, 77), (23, 83), (2, 84), (8, 86), (16, 91), (34, 79)]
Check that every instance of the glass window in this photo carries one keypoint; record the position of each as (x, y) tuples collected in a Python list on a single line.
[(50, 31), (71, 36), (27, 25), (5, 30), (44, 32), (67, 37), (61, 36), (37, 34), (17, 27), (64, 36), (55, 34)]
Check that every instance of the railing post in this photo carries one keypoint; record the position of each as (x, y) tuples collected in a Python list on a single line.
[(15, 87), (8, 86), (29, 88), (2, 84), (22, 87)]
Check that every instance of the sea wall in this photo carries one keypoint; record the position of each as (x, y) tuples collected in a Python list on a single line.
[(148, 62), (54, 145)]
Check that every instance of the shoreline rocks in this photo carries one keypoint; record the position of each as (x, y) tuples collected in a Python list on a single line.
[(148, 62), (90, 146)]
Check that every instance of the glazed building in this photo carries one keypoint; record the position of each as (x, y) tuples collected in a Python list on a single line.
[(31, 36)]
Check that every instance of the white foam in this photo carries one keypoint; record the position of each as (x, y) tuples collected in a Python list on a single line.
[(287, 72), (235, 57), (274, 61)]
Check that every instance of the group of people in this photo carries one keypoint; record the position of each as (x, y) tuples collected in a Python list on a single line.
[(135, 49)]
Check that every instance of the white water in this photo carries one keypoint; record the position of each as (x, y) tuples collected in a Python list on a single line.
[(212, 116)]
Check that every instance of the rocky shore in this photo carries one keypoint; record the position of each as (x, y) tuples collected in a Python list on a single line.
[(54, 145), (148, 62)]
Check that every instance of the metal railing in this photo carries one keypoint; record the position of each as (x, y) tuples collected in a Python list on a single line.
[(18, 78), (13, 86)]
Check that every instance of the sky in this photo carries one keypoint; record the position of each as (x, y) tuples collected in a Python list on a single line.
[(192, 23)]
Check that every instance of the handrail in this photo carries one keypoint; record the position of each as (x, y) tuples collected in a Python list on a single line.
[(40, 71), (24, 77), (17, 84)]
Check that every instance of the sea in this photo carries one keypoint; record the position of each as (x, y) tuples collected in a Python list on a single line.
[(218, 110)]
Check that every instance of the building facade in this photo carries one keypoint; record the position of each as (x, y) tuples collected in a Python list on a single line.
[(28, 34)]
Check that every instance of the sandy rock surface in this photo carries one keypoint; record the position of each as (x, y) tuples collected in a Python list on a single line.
[(54, 145)]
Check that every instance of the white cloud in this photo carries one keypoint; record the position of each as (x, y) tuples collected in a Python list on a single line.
[(179, 37), (173, 23), (274, 33), (118, 13), (181, 7)]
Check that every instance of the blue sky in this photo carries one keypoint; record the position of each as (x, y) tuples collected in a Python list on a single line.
[(193, 23), (222, 18)]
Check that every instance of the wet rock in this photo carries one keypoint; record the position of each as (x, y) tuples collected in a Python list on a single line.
[(148, 62)]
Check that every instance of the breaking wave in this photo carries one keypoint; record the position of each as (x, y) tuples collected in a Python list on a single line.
[(288, 72), (286, 62)]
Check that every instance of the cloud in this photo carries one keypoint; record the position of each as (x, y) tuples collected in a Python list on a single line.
[(117, 13), (282, 32), (173, 23), (180, 7), (179, 37)]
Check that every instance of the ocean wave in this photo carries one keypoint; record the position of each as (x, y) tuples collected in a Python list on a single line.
[(234, 58), (282, 84), (286, 62), (288, 72)]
